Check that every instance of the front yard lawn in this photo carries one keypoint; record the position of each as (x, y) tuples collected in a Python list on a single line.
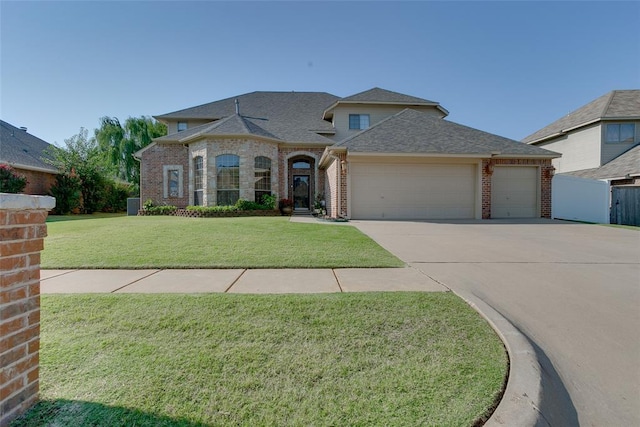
[(368, 359), (173, 242)]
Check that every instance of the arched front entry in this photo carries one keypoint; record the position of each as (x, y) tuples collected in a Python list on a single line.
[(302, 181)]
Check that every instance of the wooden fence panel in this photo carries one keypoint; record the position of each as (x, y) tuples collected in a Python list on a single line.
[(625, 205)]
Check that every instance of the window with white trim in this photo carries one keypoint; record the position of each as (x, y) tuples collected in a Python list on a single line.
[(228, 179), (620, 132), (182, 126), (358, 121)]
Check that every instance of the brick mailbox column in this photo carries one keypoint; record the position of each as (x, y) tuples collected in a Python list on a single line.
[(22, 232)]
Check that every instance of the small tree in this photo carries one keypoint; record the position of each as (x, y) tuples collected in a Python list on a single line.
[(11, 181), (82, 157), (119, 142)]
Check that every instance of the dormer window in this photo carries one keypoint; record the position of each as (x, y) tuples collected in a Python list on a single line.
[(358, 121), (182, 126), (623, 132)]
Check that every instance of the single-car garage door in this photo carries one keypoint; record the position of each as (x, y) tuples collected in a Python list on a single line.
[(514, 192), (412, 191)]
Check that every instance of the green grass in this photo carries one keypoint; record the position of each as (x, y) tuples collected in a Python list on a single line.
[(172, 242), (368, 359)]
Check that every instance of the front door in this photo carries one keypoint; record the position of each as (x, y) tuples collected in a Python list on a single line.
[(301, 192)]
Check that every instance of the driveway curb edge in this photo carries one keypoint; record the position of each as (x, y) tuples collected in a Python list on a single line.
[(522, 397)]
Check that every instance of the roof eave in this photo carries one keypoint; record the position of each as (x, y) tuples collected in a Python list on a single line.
[(327, 114), (29, 167)]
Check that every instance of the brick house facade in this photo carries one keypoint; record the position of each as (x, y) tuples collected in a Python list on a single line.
[(376, 154)]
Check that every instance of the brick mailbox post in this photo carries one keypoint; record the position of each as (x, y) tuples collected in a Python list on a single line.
[(22, 232)]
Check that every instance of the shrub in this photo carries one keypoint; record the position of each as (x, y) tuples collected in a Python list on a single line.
[(269, 201), (162, 210), (115, 197), (11, 181), (212, 209), (67, 191), (246, 205)]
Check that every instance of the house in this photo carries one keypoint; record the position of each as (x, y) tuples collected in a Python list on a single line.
[(26, 153), (377, 154), (599, 140)]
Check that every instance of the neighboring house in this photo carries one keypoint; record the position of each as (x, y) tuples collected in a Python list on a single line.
[(25, 153), (599, 140), (374, 155)]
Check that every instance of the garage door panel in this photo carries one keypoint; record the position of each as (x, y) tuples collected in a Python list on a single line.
[(413, 191), (514, 192)]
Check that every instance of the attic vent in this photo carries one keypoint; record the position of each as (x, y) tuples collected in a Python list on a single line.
[(24, 128)]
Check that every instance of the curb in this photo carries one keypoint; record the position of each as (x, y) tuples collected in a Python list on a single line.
[(521, 401)]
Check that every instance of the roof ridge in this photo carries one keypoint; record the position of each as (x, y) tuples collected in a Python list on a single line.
[(608, 104)]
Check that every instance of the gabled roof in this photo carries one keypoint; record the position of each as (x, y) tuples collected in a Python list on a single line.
[(615, 105), (288, 116), (19, 148), (232, 125), (383, 97), (415, 132), (626, 164)]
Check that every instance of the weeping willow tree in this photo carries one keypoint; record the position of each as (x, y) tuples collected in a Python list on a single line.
[(118, 142)]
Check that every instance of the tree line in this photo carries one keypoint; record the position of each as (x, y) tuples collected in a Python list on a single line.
[(98, 173)]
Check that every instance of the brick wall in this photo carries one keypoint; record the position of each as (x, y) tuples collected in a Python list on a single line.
[(38, 183), (22, 232), (151, 173)]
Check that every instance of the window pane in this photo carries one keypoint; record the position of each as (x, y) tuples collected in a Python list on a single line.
[(173, 183), (301, 164), (354, 121), (182, 126), (262, 174), (627, 132), (228, 172), (199, 171), (228, 197), (364, 121), (613, 133)]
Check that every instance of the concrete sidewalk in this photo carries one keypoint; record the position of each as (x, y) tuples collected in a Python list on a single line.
[(259, 281)]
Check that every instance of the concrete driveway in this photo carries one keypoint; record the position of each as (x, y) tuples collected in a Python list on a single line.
[(572, 289)]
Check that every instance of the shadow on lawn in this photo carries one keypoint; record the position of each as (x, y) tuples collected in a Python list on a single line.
[(78, 413)]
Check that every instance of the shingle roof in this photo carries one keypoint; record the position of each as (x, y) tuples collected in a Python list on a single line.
[(412, 131), (288, 116), (383, 96), (232, 125), (386, 96), (617, 104), (20, 148), (628, 163)]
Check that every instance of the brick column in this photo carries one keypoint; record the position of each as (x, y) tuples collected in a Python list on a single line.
[(22, 232)]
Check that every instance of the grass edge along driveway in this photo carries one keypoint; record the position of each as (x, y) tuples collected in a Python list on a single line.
[(115, 241), (374, 359)]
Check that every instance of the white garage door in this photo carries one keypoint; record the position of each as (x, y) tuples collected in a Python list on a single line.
[(412, 191), (514, 192)]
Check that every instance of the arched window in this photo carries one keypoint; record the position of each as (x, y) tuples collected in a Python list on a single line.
[(198, 174), (228, 179), (263, 177), (301, 164)]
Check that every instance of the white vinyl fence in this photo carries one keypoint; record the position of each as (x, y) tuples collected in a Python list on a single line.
[(580, 199)]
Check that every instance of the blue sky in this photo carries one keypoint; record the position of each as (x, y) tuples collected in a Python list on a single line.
[(508, 68)]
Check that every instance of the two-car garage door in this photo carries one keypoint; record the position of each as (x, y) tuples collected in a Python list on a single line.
[(439, 191), (413, 191)]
